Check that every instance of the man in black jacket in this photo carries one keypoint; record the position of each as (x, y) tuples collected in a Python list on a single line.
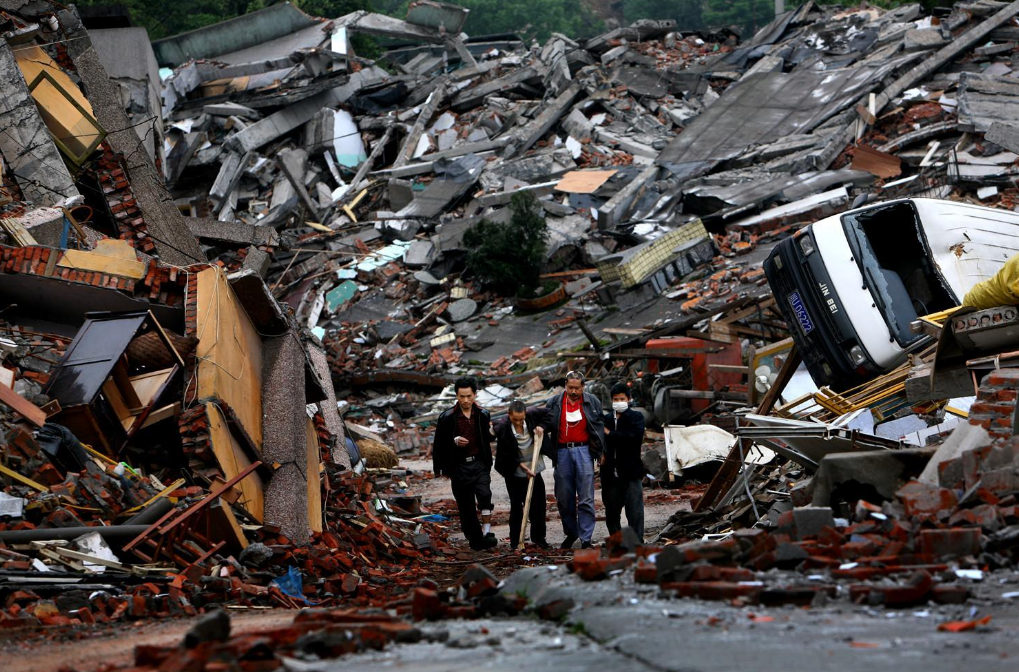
[(622, 474), (516, 439), (462, 450)]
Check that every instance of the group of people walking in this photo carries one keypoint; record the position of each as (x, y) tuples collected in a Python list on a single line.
[(572, 430)]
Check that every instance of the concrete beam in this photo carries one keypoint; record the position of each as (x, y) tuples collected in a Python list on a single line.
[(165, 224), (283, 435), (233, 232), (330, 414), (293, 162), (619, 205), (410, 143), (387, 26), (1004, 135), (524, 138), (289, 118)]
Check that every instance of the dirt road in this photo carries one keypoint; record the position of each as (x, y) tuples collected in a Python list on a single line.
[(655, 514), (53, 648)]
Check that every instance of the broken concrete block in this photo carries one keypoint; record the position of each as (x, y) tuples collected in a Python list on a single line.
[(811, 520), (420, 254), (923, 38)]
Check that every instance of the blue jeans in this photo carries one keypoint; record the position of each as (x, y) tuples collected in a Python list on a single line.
[(574, 491)]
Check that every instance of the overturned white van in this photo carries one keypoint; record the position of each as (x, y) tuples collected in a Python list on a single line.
[(849, 285)]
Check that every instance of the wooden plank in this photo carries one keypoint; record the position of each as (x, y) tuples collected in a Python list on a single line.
[(641, 353), (229, 352), (789, 366), (233, 460), (147, 384), (92, 559), (732, 368), (23, 479), (17, 232), (110, 256), (624, 331), (314, 478), (22, 406), (160, 414), (225, 523)]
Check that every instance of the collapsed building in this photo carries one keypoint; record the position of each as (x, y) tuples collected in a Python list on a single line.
[(192, 288)]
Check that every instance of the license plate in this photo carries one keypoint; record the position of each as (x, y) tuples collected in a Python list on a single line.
[(806, 324)]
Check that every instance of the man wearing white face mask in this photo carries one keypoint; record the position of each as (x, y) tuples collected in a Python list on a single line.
[(575, 430), (622, 473)]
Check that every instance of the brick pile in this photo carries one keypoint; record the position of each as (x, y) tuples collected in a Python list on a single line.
[(894, 553), (161, 284), (326, 634), (361, 559), (120, 199)]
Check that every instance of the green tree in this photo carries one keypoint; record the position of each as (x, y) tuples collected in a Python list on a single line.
[(531, 18), (508, 257), (747, 15), (163, 18)]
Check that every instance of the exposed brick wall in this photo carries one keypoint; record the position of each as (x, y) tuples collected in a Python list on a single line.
[(121, 201), (995, 408), (162, 284), (194, 434)]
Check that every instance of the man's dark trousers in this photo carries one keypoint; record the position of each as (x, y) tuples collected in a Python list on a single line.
[(517, 488), (472, 489), (619, 494)]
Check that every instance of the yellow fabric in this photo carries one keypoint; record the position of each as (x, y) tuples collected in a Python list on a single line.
[(1000, 290)]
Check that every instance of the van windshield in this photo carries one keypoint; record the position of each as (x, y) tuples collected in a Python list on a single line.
[(889, 247)]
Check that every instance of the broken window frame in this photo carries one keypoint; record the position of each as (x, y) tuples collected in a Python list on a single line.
[(77, 159)]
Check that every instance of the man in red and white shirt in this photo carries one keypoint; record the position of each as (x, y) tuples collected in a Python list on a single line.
[(576, 431)]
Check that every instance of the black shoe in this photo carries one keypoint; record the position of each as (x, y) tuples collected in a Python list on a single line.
[(586, 544), (543, 545), (568, 542), (490, 535), (484, 543)]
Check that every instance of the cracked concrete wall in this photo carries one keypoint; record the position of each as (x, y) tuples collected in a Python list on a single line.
[(26, 143), (127, 55), (284, 435), (166, 225)]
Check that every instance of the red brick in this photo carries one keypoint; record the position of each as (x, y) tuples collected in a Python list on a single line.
[(716, 590), (953, 542), (920, 498)]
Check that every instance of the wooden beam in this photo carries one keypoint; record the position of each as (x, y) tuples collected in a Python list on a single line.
[(641, 353), (789, 366), (410, 143), (22, 406), (24, 480), (708, 394), (732, 368)]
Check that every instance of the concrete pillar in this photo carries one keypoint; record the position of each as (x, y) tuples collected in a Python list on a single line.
[(284, 428), (331, 416)]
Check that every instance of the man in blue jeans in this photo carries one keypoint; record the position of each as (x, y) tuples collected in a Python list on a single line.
[(576, 432)]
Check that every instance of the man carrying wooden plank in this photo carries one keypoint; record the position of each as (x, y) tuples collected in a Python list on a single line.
[(516, 439)]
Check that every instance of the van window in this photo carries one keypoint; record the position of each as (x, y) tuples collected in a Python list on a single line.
[(890, 249)]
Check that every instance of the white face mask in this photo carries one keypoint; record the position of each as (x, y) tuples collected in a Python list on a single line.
[(574, 416), (620, 406)]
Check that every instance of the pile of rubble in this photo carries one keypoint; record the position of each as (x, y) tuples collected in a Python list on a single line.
[(193, 288)]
